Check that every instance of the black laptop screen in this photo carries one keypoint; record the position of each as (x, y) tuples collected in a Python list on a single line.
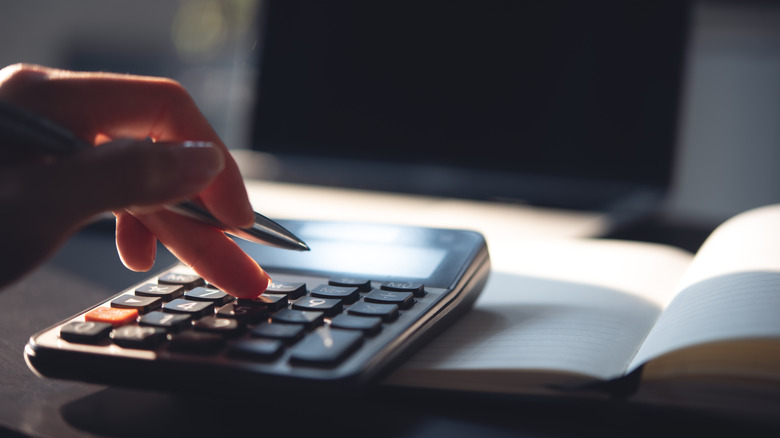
[(490, 90)]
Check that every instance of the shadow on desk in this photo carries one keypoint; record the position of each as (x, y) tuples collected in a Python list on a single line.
[(117, 412)]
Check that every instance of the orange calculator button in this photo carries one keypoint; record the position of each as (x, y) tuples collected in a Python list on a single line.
[(112, 315)]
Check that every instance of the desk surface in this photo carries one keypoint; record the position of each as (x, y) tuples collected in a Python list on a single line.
[(87, 270)]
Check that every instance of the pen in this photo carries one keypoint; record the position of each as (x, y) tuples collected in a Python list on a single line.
[(19, 127)]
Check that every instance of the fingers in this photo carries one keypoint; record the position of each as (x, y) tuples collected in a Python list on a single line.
[(125, 173), (95, 105), (136, 245), (55, 199), (214, 256), (207, 250)]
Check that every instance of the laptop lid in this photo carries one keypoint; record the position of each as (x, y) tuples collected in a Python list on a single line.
[(558, 103)]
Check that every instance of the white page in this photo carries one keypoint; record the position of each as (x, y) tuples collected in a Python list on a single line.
[(731, 291), (568, 305)]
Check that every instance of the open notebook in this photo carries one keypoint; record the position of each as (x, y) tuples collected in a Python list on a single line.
[(565, 104)]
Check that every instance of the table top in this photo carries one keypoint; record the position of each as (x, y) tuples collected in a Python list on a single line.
[(87, 270)]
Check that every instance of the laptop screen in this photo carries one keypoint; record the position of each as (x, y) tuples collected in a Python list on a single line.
[(563, 103)]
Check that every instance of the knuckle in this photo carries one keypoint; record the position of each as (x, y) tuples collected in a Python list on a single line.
[(17, 79)]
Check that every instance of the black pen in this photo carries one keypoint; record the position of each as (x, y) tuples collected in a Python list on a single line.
[(19, 127)]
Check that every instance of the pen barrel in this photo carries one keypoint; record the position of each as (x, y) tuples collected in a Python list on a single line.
[(263, 231)]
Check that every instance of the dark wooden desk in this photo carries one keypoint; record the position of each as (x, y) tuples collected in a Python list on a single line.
[(87, 270)]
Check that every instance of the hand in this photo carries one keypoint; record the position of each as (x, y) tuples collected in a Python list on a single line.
[(46, 201)]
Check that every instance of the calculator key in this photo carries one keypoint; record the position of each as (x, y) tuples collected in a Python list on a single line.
[(173, 322), (190, 341), (245, 314), (308, 320), (112, 315), (142, 304), (369, 325), (188, 281), (327, 306), (418, 289), (403, 300), (325, 347), (287, 333), (388, 312), (346, 294), (194, 308), (213, 324), (166, 292), (136, 336), (272, 302), (215, 296), (258, 349), (292, 290), (361, 284), (86, 332)]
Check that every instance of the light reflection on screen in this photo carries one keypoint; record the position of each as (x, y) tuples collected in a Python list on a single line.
[(352, 232), (369, 260)]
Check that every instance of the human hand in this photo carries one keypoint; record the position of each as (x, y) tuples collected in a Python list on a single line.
[(45, 201)]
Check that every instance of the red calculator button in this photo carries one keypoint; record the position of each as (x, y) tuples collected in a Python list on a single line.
[(112, 315)]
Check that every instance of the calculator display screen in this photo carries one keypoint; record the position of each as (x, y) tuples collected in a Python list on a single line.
[(377, 252), (366, 260)]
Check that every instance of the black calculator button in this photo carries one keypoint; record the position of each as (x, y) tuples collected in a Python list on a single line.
[(307, 319), (388, 312), (190, 341), (325, 347), (188, 281), (86, 332), (142, 304), (136, 336), (418, 289), (288, 333), (272, 302), (212, 324), (369, 325), (245, 314), (258, 349), (292, 290), (166, 292), (169, 321), (347, 294), (361, 284), (403, 300), (215, 296), (327, 306), (193, 308)]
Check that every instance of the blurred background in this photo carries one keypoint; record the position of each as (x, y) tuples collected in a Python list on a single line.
[(207, 45), (728, 137)]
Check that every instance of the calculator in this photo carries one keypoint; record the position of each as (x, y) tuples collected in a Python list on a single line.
[(345, 313)]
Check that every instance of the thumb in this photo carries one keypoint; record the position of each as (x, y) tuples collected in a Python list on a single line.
[(127, 173), (46, 203)]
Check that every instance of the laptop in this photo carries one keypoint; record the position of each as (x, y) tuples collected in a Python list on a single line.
[(562, 104)]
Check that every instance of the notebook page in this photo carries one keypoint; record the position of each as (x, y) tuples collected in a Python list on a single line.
[(730, 290), (569, 306)]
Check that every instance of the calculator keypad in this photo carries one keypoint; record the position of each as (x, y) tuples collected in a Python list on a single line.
[(316, 324)]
